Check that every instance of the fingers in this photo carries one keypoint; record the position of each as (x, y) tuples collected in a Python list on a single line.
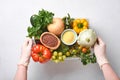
[(95, 45), (97, 42), (100, 41), (27, 42)]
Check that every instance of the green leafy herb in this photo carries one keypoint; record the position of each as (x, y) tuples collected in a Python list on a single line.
[(63, 48), (87, 58), (39, 23), (67, 21)]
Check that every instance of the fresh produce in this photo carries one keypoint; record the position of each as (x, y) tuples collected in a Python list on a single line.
[(59, 38), (58, 57), (68, 21), (68, 54), (40, 53), (85, 54), (87, 38), (50, 40), (87, 58), (84, 50), (63, 48), (80, 25), (56, 27), (39, 23)]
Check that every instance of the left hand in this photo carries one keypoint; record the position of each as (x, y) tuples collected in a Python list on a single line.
[(26, 52)]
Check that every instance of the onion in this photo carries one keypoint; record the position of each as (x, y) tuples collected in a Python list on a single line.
[(56, 27)]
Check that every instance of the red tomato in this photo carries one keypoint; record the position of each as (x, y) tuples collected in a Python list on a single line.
[(40, 53), (36, 48), (35, 57)]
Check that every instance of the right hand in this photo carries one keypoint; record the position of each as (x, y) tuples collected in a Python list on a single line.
[(100, 52)]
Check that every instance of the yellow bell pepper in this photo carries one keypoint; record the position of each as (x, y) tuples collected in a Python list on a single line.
[(79, 25)]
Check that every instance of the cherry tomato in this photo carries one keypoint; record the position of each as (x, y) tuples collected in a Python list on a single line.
[(84, 50)]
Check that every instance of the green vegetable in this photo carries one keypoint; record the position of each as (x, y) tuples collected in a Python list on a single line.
[(87, 58), (68, 21), (87, 38), (74, 51), (63, 48), (39, 23)]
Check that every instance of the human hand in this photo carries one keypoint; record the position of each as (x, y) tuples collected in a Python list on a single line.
[(100, 52), (26, 52)]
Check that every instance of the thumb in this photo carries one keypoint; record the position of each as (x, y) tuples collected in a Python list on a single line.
[(29, 42), (95, 45)]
